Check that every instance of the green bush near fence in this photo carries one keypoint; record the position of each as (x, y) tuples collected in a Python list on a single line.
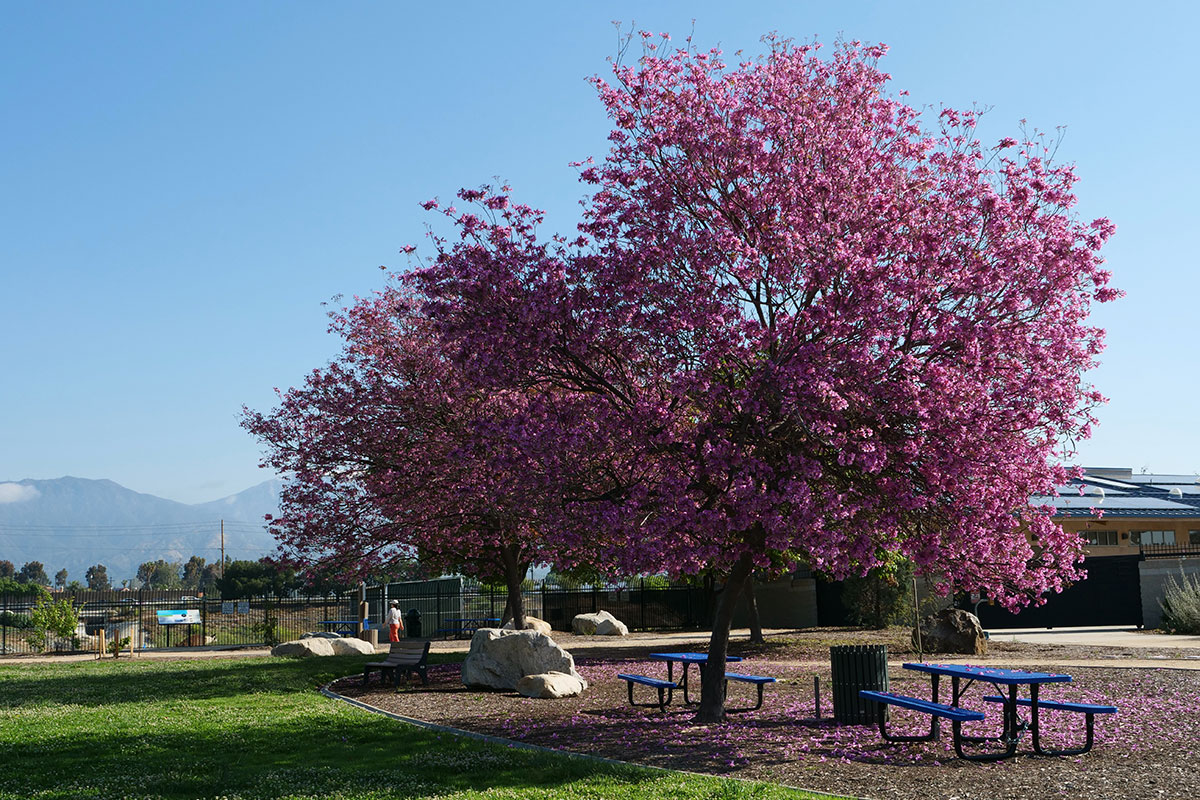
[(257, 728), (1181, 605)]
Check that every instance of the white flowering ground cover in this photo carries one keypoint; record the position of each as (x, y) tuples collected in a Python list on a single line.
[(258, 729)]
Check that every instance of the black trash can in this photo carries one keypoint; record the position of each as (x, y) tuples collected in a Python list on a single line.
[(412, 623), (856, 667)]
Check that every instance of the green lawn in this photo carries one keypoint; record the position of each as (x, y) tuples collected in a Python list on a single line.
[(255, 728)]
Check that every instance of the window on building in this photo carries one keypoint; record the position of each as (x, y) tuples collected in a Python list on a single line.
[(1101, 537), (1152, 537), (1193, 537)]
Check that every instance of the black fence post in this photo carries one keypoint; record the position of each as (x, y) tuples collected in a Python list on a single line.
[(642, 602)]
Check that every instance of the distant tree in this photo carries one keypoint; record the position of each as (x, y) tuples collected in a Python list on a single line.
[(97, 578), (75, 586), (193, 573), (256, 578), (34, 572), (11, 586), (210, 576), (7, 570), (160, 574), (60, 578)]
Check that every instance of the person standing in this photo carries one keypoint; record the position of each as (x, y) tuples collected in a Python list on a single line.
[(395, 624)]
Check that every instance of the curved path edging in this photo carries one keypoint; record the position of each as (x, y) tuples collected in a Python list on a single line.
[(497, 740)]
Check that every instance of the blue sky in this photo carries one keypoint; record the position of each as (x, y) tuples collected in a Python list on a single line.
[(182, 185)]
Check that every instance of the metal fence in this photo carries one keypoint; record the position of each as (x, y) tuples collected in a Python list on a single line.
[(640, 605), (135, 616)]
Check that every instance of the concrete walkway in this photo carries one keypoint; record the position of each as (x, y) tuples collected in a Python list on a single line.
[(1116, 636)]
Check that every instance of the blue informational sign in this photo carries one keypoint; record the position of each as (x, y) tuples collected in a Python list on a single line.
[(180, 616)]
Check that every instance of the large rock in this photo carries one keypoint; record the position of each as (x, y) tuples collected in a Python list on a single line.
[(952, 630), (351, 647), (304, 648), (601, 623), (531, 624), (499, 658), (551, 685)]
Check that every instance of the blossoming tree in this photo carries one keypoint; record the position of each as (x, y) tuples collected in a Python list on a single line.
[(810, 322), (389, 451)]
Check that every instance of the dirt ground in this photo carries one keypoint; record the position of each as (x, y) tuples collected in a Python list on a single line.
[(1147, 750)]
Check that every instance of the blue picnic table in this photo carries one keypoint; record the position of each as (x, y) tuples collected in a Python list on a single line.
[(686, 660), (962, 677), (346, 627)]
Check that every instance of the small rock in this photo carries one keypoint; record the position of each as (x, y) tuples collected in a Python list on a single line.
[(601, 623), (951, 630), (551, 685), (350, 647), (531, 624)]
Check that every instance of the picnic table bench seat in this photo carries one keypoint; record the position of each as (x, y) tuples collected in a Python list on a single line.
[(1089, 710), (1058, 705), (757, 680), (936, 711), (665, 688), (924, 706), (406, 655)]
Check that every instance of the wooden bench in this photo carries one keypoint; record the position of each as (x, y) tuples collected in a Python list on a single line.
[(757, 680), (406, 655), (936, 711), (1089, 710), (666, 687)]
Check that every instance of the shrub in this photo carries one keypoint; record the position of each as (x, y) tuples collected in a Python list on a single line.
[(9, 619), (1181, 605), (880, 598), (57, 617)]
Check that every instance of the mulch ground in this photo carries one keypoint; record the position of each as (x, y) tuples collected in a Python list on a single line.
[(1147, 750)]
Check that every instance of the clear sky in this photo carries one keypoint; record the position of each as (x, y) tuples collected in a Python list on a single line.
[(182, 185)]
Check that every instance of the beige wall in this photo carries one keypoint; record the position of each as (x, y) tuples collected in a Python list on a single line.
[(1122, 528)]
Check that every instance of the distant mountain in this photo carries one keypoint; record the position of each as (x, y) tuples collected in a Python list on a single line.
[(77, 522)]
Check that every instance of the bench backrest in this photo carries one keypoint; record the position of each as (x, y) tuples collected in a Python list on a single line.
[(407, 651)]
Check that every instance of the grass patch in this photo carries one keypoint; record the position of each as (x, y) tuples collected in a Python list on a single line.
[(255, 728)]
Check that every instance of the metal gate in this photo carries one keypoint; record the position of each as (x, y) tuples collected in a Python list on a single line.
[(1111, 595)]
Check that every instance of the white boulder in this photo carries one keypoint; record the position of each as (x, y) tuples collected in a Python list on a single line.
[(304, 648), (531, 624), (351, 647), (551, 685), (498, 659), (601, 623)]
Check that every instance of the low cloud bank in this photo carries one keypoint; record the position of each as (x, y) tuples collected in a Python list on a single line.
[(16, 493)]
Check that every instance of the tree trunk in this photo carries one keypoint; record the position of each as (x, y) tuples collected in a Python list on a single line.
[(712, 696), (756, 634), (514, 576)]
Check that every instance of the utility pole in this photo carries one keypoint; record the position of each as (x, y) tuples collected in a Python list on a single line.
[(222, 549)]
